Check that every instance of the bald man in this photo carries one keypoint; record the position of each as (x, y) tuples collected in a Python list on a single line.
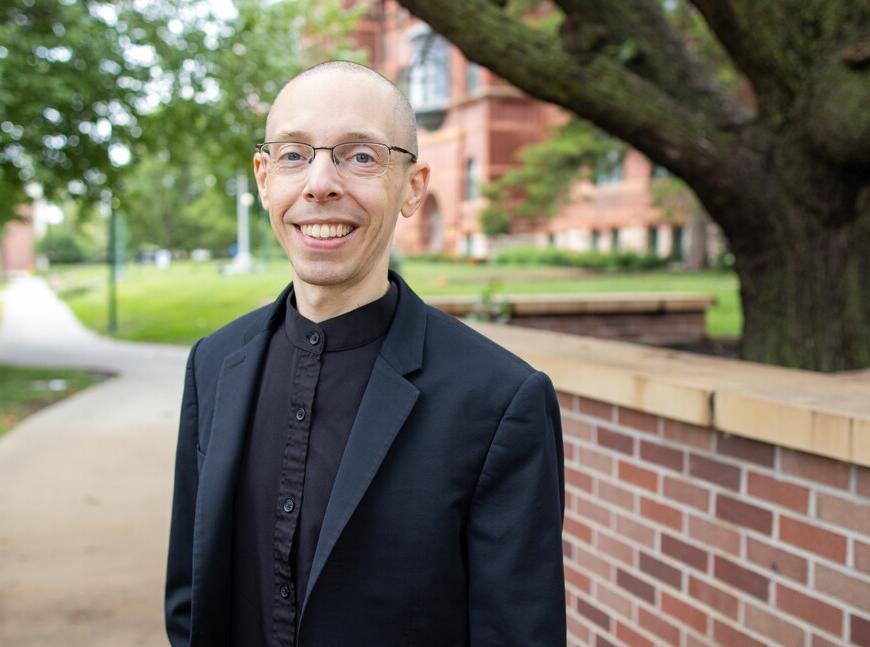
[(355, 468)]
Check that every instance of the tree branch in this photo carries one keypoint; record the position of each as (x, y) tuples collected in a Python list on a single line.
[(601, 89), (643, 38)]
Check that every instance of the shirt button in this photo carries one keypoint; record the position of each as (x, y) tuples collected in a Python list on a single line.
[(314, 338), (289, 504), (284, 591), (300, 414)]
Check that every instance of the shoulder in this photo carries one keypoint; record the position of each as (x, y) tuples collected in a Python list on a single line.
[(211, 351)]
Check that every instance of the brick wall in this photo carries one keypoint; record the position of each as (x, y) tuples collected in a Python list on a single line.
[(681, 535)]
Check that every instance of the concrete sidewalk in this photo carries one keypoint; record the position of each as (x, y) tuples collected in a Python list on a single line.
[(85, 485)]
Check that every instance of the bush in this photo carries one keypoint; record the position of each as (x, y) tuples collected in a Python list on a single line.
[(60, 245), (554, 256)]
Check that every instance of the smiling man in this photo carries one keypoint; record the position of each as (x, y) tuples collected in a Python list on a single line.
[(355, 468)]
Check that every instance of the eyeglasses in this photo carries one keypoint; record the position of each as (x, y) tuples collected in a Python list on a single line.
[(351, 159)]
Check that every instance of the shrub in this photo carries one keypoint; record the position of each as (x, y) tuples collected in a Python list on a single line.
[(624, 261)]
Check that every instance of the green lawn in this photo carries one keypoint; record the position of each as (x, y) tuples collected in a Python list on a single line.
[(23, 391), (183, 303)]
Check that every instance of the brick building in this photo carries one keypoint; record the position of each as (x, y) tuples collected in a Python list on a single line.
[(471, 125)]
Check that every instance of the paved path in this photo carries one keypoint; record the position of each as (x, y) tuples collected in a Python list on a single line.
[(85, 485)]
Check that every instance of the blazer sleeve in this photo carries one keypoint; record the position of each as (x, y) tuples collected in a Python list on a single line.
[(514, 534), (179, 563)]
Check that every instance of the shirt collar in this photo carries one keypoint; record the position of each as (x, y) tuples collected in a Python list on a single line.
[(349, 330)]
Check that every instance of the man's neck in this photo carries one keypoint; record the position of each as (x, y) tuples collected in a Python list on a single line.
[(321, 302)]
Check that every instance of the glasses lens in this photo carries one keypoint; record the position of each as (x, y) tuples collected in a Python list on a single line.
[(290, 156), (362, 160)]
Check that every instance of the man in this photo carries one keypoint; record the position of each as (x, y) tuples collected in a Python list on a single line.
[(355, 468)]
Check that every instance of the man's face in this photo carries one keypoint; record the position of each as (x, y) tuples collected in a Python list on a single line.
[(326, 109)]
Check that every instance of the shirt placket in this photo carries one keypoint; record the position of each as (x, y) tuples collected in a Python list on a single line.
[(289, 501)]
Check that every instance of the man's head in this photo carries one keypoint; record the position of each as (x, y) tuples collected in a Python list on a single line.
[(330, 104)]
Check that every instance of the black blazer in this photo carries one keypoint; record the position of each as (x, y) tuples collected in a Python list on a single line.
[(443, 528)]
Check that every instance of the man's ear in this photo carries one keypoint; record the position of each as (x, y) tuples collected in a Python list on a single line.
[(418, 183), (260, 175)]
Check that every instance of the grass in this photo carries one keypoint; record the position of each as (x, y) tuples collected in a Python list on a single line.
[(189, 300), (24, 391)]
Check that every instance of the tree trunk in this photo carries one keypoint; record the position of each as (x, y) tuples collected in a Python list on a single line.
[(806, 301)]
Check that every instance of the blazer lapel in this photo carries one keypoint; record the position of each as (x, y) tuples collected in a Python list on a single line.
[(234, 398), (386, 404)]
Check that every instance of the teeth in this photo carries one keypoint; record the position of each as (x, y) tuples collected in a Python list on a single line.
[(324, 231)]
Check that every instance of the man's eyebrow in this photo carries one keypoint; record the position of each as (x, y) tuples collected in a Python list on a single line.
[(353, 136)]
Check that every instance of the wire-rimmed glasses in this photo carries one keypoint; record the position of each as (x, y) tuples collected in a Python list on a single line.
[(351, 159)]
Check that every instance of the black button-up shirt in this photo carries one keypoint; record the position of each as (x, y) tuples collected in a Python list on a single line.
[(312, 383)]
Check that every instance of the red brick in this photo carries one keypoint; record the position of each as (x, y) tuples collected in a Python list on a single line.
[(570, 450), (601, 641), (594, 614), (590, 561), (576, 529), (850, 590), (615, 548), (616, 495), (744, 579), (777, 560), (615, 440), (661, 628), (859, 631), (576, 578), (635, 531), (818, 641), (660, 571), (596, 408), (744, 514), (813, 610), (816, 468), (636, 586), (715, 534), (592, 511), (661, 513), (688, 434), (746, 449), (567, 549), (577, 629), (723, 474), (578, 479), (613, 600), (685, 613), (578, 428), (685, 492), (637, 420), (862, 481), (713, 596), (845, 513), (686, 553), (567, 401), (812, 538), (630, 637), (595, 460), (862, 556), (660, 455), (782, 632), (638, 476), (728, 635), (788, 495)]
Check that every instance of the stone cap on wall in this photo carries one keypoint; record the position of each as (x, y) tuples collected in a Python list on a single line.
[(813, 412), (573, 303)]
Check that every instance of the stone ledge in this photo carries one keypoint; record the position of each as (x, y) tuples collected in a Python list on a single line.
[(588, 303), (812, 412)]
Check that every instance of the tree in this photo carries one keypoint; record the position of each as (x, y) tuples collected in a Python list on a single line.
[(780, 158)]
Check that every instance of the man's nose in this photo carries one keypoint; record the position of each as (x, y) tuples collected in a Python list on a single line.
[(323, 182)]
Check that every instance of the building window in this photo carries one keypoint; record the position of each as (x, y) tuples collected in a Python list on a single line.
[(471, 180), (551, 239), (472, 78), (609, 169), (677, 244), (614, 240), (596, 239), (652, 239), (429, 75)]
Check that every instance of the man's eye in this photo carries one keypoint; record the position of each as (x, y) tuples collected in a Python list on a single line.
[(291, 157), (362, 158)]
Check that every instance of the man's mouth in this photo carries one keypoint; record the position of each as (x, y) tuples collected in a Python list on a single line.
[(326, 231)]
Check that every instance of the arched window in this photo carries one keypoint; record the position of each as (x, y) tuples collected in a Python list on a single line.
[(429, 74)]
